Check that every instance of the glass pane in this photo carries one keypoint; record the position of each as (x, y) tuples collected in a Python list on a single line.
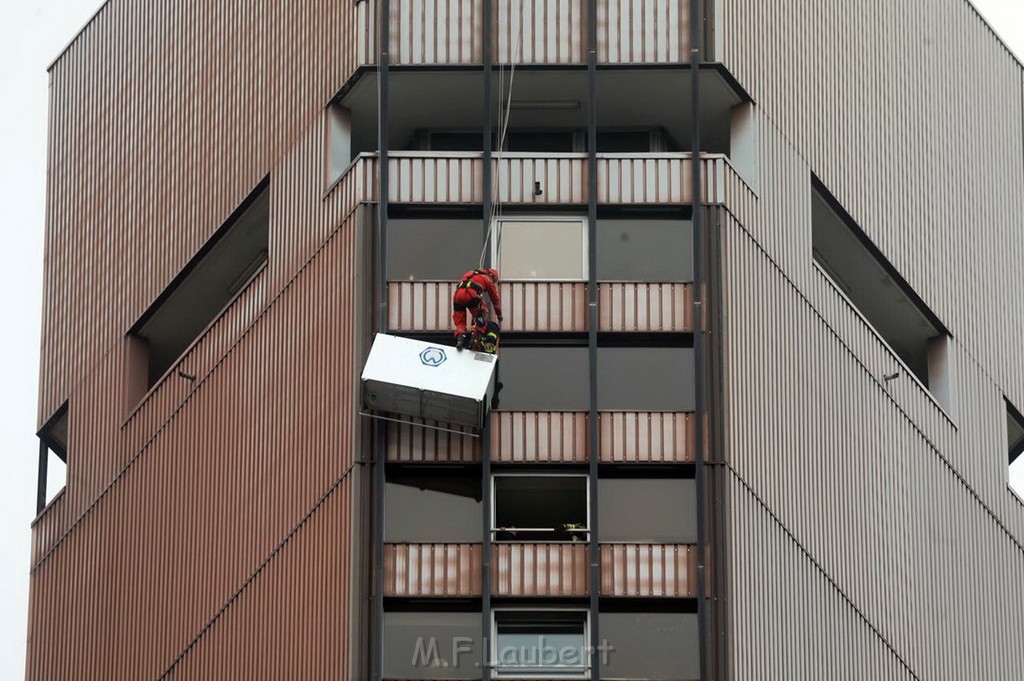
[(444, 508), (540, 250), (432, 645), (650, 645), (545, 379), (432, 249), (647, 510), (531, 643), (644, 250), (645, 379)]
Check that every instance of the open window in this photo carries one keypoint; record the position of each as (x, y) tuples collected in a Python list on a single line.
[(541, 508), (197, 296), (541, 248), (1015, 445), (549, 644), (885, 300), (53, 458)]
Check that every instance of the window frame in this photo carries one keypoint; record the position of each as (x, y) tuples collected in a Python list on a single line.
[(493, 647), (518, 474), (581, 220)]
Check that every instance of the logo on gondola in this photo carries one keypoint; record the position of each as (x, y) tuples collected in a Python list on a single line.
[(433, 357)]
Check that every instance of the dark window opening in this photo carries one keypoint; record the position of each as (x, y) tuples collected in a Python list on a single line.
[(562, 141), (53, 458), (540, 508), (871, 283), (535, 643), (433, 506), (638, 141), (222, 269)]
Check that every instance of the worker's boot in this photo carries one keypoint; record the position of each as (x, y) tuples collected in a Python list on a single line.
[(462, 341)]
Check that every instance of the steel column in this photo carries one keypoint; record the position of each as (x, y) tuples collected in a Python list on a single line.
[(383, 112), (698, 332), (592, 325), (485, 439)]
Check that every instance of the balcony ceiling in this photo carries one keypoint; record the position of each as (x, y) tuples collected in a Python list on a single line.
[(627, 98)]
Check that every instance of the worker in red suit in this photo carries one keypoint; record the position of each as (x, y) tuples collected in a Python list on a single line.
[(469, 297)]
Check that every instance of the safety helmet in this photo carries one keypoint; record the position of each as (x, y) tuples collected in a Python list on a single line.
[(492, 273)]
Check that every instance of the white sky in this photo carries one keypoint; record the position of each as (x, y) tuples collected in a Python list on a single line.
[(32, 33)]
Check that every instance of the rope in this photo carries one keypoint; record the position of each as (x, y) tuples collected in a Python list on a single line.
[(506, 108)]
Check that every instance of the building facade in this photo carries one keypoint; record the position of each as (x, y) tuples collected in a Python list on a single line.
[(762, 368)]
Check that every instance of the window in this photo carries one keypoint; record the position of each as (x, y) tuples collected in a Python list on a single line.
[(645, 250), (221, 269), (428, 506), (433, 249), (540, 508), (53, 458), (1015, 443), (431, 645), (645, 379), (871, 283), (541, 249), (631, 141), (549, 378), (661, 510), (650, 645), (339, 139), (540, 643), (541, 141)]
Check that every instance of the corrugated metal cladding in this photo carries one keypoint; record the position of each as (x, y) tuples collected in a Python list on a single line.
[(238, 503), (856, 498), (550, 306), (150, 151), (557, 569), (866, 521), (554, 437), (532, 32)]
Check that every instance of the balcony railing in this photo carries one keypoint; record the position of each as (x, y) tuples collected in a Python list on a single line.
[(655, 178), (540, 569), (557, 307), (554, 437), (531, 32)]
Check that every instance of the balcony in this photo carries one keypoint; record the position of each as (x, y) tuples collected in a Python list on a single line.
[(663, 178), (531, 32), (540, 570), (557, 307), (554, 437)]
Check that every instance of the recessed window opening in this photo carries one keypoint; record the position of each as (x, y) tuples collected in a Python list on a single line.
[(570, 140), (541, 248), (1015, 446), (53, 458), (550, 644), (223, 267), (339, 141), (871, 283), (540, 508)]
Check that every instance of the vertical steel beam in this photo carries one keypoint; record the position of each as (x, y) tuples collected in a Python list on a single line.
[(485, 439), (383, 114), (698, 332), (593, 438), (44, 462)]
